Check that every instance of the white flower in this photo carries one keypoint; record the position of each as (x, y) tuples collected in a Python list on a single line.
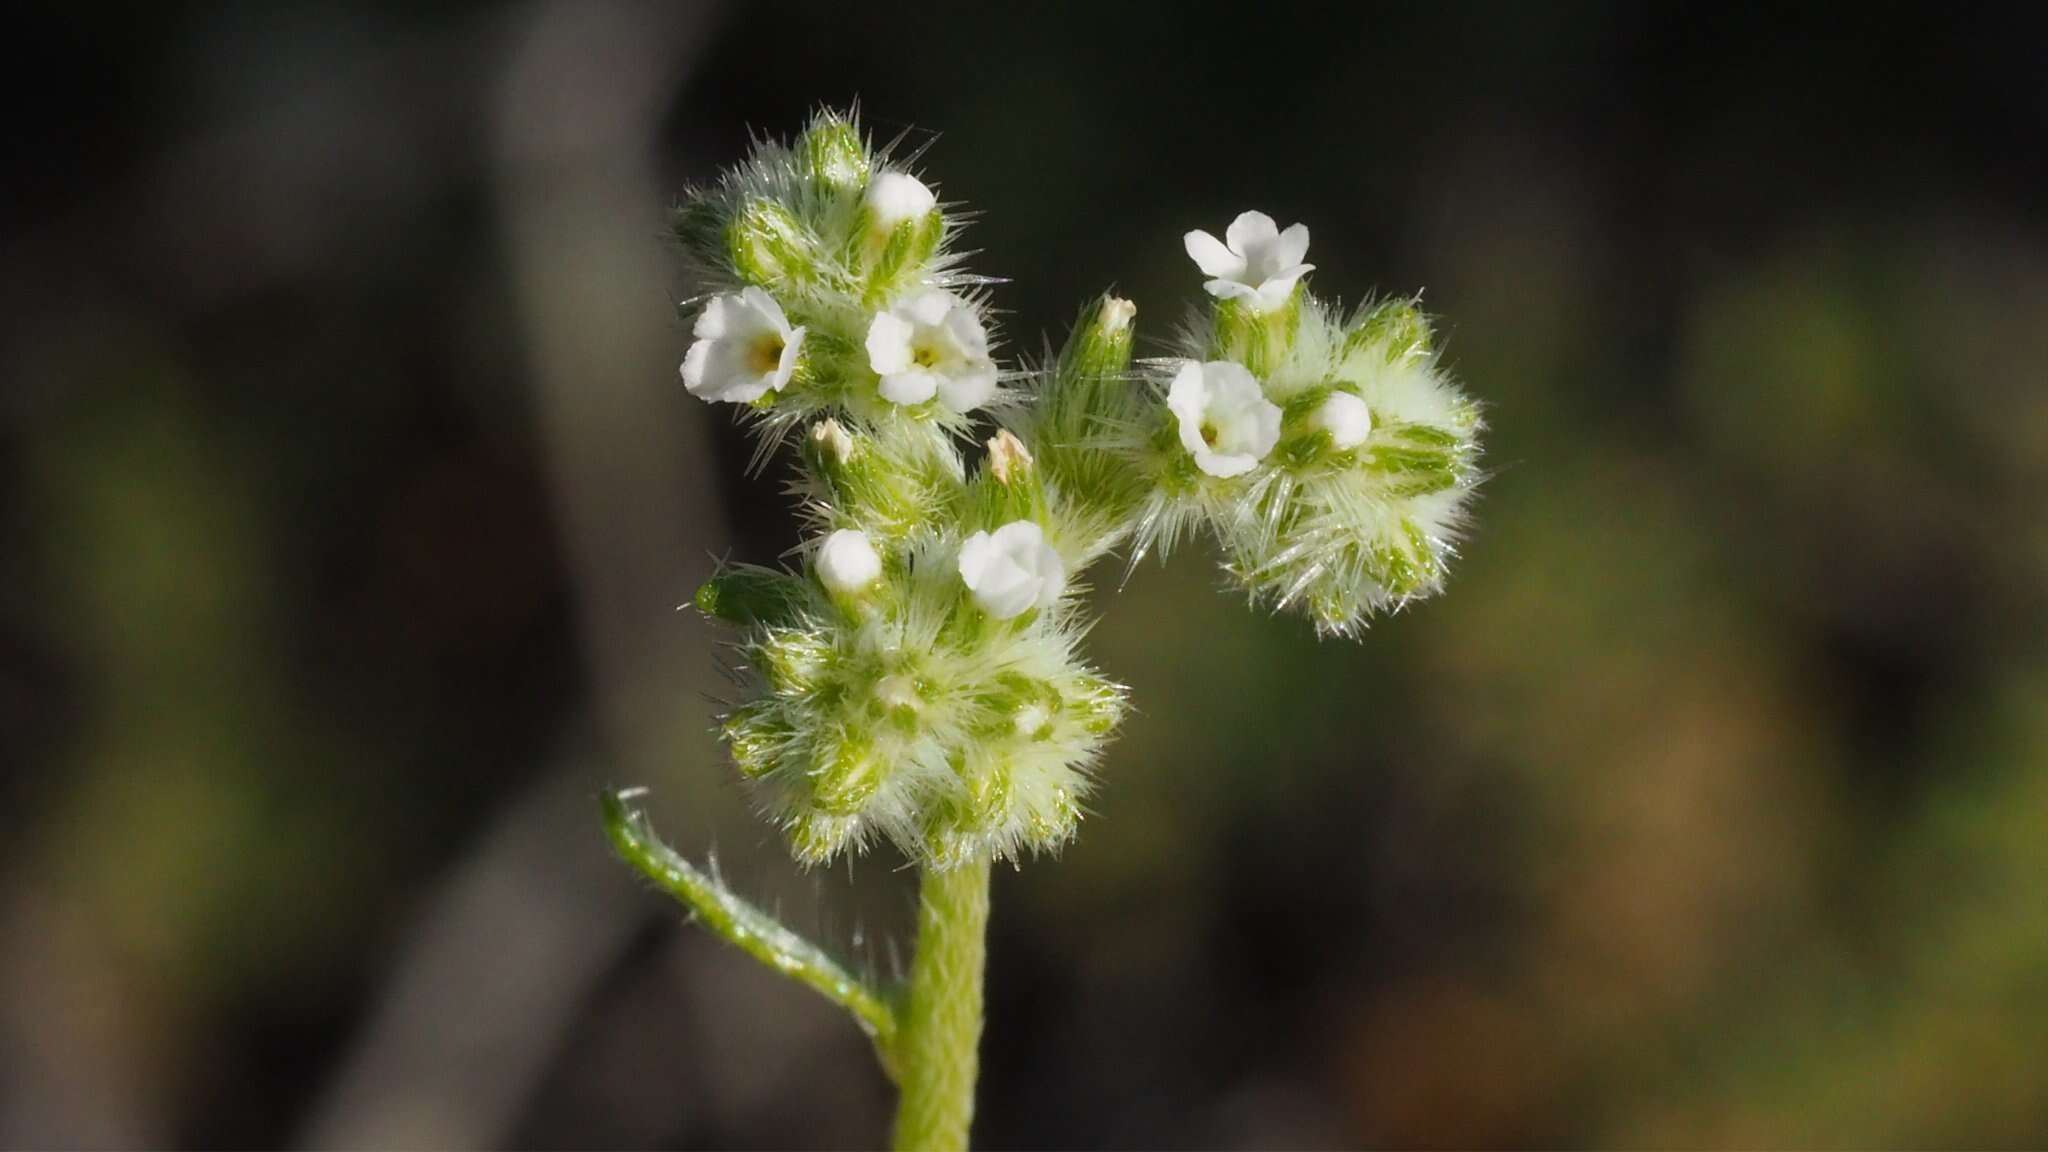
[(745, 349), (1225, 421), (847, 562), (1255, 261), (1012, 570), (894, 197), (1346, 418), (930, 345)]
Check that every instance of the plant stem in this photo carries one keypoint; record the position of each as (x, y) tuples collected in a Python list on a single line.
[(939, 1030)]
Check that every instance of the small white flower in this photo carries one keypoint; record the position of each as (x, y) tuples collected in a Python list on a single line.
[(932, 344), (847, 562), (1255, 262), (894, 197), (1012, 570), (1346, 418), (1226, 422), (745, 349)]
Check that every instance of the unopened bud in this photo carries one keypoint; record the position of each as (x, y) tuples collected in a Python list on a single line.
[(1008, 458)]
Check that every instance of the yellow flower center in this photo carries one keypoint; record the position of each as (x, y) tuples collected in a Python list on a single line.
[(765, 355)]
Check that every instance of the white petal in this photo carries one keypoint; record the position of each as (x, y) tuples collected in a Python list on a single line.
[(792, 350), (713, 321), (764, 304), (929, 308), (969, 388), (914, 386), (976, 554), (1211, 256), (1292, 247), (1250, 230), (1225, 466), (1185, 399), (1231, 290), (966, 330), (693, 365), (888, 343), (1052, 575), (1274, 292)]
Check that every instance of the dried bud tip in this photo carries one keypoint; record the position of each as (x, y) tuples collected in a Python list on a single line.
[(1116, 315), (1008, 458), (831, 440)]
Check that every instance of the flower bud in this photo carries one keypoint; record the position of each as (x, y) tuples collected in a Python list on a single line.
[(833, 154), (748, 595), (847, 562), (770, 247), (1008, 459), (903, 228), (1102, 344), (1346, 418)]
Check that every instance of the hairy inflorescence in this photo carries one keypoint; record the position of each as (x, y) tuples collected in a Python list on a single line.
[(917, 678)]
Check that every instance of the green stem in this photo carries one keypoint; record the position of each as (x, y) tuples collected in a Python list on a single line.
[(939, 1027), (753, 931)]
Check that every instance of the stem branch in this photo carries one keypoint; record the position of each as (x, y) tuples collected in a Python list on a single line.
[(751, 930)]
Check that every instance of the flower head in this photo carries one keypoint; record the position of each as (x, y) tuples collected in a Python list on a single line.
[(932, 344), (847, 562), (1254, 262), (1226, 422), (1374, 454), (1012, 570), (745, 349)]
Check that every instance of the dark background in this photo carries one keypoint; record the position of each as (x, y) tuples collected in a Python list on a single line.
[(347, 491)]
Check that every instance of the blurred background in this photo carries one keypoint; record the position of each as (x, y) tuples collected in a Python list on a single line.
[(348, 491)]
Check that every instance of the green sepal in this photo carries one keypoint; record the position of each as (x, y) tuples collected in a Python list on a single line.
[(746, 595)]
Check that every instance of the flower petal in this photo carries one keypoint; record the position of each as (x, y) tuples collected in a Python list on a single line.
[(968, 387), (1230, 290), (888, 343), (714, 320), (1211, 256), (1250, 230), (912, 387), (930, 308), (1292, 247), (764, 304), (1273, 293), (792, 351), (1225, 466), (1185, 399), (694, 363), (966, 330)]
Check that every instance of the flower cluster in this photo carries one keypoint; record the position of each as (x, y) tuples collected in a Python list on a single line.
[(834, 288), (918, 679), (1327, 451)]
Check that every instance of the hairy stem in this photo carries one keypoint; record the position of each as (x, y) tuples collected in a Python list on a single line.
[(939, 1037)]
